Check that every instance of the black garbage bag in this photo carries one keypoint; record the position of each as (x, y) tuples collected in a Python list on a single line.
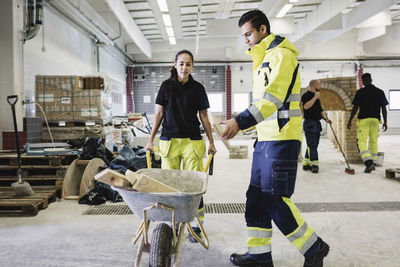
[(77, 143), (100, 194), (131, 160), (94, 148)]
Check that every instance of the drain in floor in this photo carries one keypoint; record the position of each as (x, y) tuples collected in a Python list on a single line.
[(221, 208)]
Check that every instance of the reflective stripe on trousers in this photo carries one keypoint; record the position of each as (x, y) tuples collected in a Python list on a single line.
[(259, 240), (367, 138)]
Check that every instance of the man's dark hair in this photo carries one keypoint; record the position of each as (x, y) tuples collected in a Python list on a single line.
[(257, 18), (366, 78)]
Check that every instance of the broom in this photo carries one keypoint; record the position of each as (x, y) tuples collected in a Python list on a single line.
[(20, 188), (348, 169)]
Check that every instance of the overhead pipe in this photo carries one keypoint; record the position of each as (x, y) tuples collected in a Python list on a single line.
[(34, 28), (94, 31)]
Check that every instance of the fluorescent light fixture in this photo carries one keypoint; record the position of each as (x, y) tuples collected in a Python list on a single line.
[(284, 10), (167, 20), (170, 31), (293, 1), (162, 4), (172, 40)]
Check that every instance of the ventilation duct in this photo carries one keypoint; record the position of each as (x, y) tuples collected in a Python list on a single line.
[(33, 28)]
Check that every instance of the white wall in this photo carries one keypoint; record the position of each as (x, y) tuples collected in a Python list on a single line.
[(386, 78), (68, 51), (114, 67)]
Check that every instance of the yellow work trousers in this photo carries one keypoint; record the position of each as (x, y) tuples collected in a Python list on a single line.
[(177, 151), (367, 138), (189, 153)]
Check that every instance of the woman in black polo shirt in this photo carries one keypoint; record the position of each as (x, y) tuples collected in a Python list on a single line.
[(179, 100)]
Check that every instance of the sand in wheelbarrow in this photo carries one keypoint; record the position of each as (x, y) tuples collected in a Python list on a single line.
[(183, 181)]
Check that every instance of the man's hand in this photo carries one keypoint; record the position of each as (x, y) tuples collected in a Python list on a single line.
[(317, 95), (231, 129), (349, 125), (329, 121), (384, 126)]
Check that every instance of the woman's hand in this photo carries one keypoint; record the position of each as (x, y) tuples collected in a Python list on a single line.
[(149, 146), (211, 149)]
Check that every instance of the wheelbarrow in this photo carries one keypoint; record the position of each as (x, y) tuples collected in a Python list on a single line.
[(171, 209)]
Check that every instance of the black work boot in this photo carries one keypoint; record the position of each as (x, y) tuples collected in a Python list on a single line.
[(197, 232), (314, 169), (369, 166), (245, 260), (318, 259), (306, 167)]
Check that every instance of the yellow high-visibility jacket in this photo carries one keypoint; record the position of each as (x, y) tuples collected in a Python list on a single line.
[(276, 91)]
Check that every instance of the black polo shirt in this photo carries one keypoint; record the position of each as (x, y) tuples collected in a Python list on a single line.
[(182, 103), (370, 99), (313, 113)]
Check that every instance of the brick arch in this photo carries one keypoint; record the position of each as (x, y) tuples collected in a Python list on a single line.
[(330, 100), (340, 92)]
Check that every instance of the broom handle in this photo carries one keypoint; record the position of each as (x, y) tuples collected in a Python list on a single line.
[(348, 166)]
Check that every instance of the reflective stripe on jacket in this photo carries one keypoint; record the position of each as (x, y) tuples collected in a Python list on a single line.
[(276, 90)]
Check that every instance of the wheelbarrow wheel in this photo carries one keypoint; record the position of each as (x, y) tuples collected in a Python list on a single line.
[(160, 246)]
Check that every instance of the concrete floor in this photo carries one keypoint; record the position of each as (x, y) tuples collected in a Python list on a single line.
[(61, 236)]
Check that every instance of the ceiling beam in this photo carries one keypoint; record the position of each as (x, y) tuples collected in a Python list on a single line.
[(328, 10), (121, 12)]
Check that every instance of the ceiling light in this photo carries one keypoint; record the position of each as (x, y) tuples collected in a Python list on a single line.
[(293, 1), (172, 40), (170, 31), (167, 20), (284, 10), (162, 4)]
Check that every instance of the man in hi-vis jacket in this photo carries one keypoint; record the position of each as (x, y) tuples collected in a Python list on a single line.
[(276, 115)]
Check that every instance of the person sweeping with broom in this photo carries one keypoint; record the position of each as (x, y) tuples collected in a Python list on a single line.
[(313, 113)]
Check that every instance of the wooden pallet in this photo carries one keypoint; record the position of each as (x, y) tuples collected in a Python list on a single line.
[(12, 205), (73, 123), (10, 159), (391, 174), (57, 182), (33, 171)]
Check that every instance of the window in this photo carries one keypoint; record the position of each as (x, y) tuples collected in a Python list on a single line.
[(216, 103), (394, 99), (240, 102)]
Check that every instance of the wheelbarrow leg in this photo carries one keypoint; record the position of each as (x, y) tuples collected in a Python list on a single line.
[(202, 242), (139, 252), (178, 248)]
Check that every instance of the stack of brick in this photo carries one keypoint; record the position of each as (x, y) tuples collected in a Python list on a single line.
[(336, 97), (73, 98)]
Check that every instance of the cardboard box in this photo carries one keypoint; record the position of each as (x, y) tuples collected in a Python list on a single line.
[(93, 83)]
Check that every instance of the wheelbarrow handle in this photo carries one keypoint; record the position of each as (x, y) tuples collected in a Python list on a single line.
[(148, 159), (10, 97), (210, 157)]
